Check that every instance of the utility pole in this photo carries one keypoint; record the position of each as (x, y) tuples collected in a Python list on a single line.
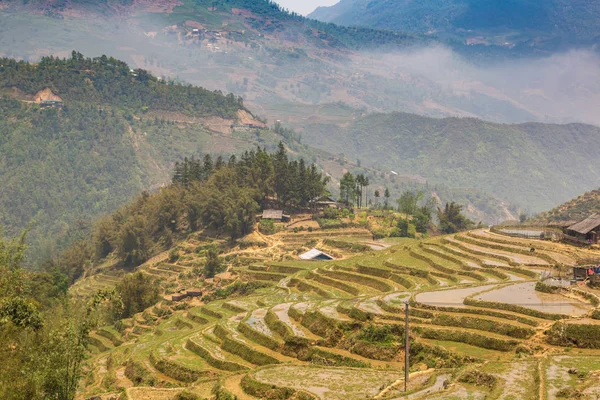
[(406, 346)]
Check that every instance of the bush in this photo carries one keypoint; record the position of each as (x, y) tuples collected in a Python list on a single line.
[(267, 226), (138, 291), (187, 395), (576, 335), (543, 288), (376, 334), (479, 378)]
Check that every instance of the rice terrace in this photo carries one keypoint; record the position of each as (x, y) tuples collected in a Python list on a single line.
[(483, 324)]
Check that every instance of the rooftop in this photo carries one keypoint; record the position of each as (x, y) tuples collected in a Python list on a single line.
[(315, 254), (587, 225)]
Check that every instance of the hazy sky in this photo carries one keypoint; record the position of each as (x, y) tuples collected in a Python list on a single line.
[(305, 6)]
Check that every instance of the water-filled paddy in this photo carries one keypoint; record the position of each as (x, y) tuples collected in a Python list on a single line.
[(450, 298), (524, 294)]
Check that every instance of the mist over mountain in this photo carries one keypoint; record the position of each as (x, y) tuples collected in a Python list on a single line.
[(520, 25), (269, 57)]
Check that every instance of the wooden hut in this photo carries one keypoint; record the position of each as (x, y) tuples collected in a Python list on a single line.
[(275, 215), (586, 231)]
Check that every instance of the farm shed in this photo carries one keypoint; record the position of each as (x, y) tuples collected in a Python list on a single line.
[(321, 203), (587, 230), (275, 215), (315, 255)]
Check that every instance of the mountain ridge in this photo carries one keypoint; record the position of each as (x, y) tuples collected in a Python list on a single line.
[(541, 25)]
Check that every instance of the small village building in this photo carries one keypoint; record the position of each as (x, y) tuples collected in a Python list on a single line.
[(179, 296), (586, 231), (51, 104), (275, 215), (316, 255), (321, 203), (194, 293)]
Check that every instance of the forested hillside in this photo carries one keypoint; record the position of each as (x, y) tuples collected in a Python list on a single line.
[(533, 165), (548, 25), (119, 132)]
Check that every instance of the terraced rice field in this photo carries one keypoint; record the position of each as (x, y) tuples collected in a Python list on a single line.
[(335, 330)]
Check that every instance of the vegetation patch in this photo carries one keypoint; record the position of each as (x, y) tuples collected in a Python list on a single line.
[(211, 360), (585, 336), (483, 341), (479, 378), (272, 392), (177, 371)]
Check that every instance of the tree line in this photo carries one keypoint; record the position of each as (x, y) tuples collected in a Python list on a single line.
[(106, 80), (220, 196)]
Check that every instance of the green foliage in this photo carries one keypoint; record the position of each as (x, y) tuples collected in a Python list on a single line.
[(187, 395), (236, 289), (266, 226), (213, 263), (469, 153), (405, 229), (542, 287), (138, 291), (479, 378), (451, 219), (576, 335), (376, 334)]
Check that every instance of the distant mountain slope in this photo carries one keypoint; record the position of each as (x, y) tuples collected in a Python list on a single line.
[(573, 210), (119, 132), (542, 24), (533, 165), (268, 56)]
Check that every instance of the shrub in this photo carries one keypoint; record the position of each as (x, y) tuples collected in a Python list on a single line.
[(479, 378), (542, 287), (576, 335), (138, 291), (376, 334), (266, 226), (186, 395)]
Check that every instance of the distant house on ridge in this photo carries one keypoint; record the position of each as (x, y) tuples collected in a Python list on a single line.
[(587, 230)]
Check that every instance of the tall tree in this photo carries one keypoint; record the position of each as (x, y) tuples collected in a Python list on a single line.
[(386, 194), (348, 188)]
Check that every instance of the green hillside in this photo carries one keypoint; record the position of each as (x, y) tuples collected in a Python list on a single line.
[(516, 24), (576, 209), (118, 133), (533, 165)]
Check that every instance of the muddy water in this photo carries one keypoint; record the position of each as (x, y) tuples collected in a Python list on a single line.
[(397, 297), (450, 298), (331, 312), (281, 310), (370, 306), (524, 294), (257, 321)]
